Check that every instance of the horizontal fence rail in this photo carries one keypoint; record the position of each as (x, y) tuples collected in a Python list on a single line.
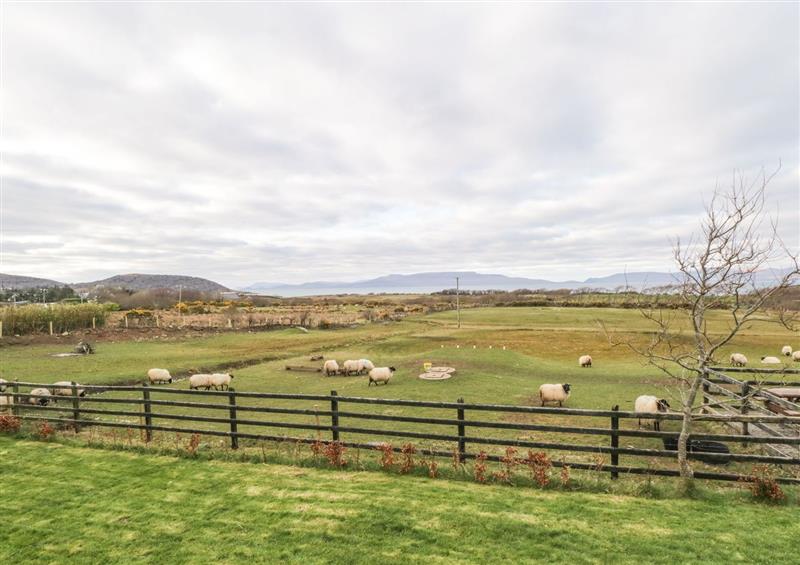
[(235, 420)]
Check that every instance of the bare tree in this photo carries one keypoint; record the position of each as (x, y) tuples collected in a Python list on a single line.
[(723, 268)]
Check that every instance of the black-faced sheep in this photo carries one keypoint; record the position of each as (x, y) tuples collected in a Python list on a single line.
[(554, 393)]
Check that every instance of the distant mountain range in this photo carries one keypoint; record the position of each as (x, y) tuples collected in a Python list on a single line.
[(421, 283), (468, 280)]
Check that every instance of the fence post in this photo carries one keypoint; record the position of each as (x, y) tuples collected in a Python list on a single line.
[(234, 427), (462, 442), (94, 322), (706, 390), (1, 328), (76, 406), (148, 414), (15, 405), (614, 443), (744, 408), (51, 327), (334, 416)]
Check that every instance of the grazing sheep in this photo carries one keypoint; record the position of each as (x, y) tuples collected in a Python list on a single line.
[(585, 360), (6, 402), (158, 376), (738, 360), (352, 367), (3, 385), (380, 375), (771, 360), (221, 381), (554, 393), (367, 365), (331, 367), (40, 396), (200, 380), (651, 405), (66, 389), (786, 350), (796, 355)]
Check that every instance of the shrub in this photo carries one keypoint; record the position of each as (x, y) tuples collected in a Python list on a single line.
[(408, 452), (387, 456), (334, 453), (9, 423), (44, 430), (36, 318), (762, 484), (539, 464), (479, 470)]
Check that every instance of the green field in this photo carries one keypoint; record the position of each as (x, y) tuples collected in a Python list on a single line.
[(542, 345), (66, 504)]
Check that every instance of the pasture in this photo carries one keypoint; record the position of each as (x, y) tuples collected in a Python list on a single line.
[(541, 345)]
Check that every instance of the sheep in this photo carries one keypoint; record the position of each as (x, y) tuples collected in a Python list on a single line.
[(771, 360), (331, 367), (585, 360), (66, 389), (200, 380), (738, 360), (158, 376), (651, 405), (380, 375), (352, 367), (786, 350), (6, 401), (796, 355), (367, 365), (3, 385), (40, 396), (554, 393), (221, 381)]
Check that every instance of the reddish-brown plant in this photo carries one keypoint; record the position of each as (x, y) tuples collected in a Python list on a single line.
[(9, 423), (44, 430), (763, 484), (539, 464), (408, 452), (193, 444), (479, 469), (334, 453), (387, 456)]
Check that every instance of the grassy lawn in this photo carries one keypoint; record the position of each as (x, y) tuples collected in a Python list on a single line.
[(66, 504)]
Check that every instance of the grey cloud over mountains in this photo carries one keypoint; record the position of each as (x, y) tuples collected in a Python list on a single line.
[(246, 142)]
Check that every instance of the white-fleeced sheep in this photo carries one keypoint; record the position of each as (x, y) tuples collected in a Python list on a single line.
[(585, 360), (200, 380), (554, 393), (796, 355), (352, 367), (6, 401), (40, 396), (769, 360), (738, 360), (786, 350), (651, 405), (367, 365), (66, 389), (330, 367), (380, 375), (221, 381), (159, 376)]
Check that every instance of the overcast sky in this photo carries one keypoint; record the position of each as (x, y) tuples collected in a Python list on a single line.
[(276, 142)]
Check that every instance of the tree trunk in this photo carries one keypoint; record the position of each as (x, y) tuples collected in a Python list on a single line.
[(686, 428)]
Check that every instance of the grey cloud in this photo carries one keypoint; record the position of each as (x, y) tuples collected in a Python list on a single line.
[(297, 142)]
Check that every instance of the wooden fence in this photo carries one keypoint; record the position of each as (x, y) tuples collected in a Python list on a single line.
[(727, 395), (342, 418)]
